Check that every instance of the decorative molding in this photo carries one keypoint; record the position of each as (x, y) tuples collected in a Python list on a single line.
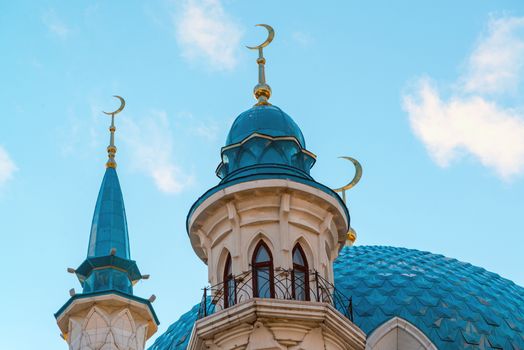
[(233, 217), (272, 324), (285, 200), (103, 328)]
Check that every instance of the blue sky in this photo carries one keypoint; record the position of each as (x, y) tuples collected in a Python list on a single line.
[(427, 95)]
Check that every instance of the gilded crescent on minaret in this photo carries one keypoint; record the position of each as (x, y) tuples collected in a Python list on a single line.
[(270, 36), (122, 105), (356, 178)]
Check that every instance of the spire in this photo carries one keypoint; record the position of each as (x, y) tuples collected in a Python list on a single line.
[(115, 317), (109, 227), (108, 265), (111, 149), (262, 91)]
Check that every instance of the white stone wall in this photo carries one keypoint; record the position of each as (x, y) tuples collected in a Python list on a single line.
[(106, 322), (272, 324), (101, 328), (279, 212)]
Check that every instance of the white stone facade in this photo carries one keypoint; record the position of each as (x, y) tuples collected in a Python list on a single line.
[(279, 212), (106, 322), (273, 324), (229, 226)]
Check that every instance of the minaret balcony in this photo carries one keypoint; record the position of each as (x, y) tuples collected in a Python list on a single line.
[(275, 310), (282, 284)]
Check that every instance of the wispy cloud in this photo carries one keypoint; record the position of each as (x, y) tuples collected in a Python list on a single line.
[(206, 129), (302, 38), (7, 167), (206, 32), (151, 143), (495, 66), (55, 25), (473, 120)]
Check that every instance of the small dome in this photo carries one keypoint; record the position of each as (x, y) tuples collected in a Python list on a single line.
[(268, 120)]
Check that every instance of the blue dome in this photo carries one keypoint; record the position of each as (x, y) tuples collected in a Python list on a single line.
[(268, 120), (456, 305), (264, 141)]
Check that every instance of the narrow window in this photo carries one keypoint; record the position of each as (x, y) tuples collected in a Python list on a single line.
[(300, 274), (262, 264), (229, 284)]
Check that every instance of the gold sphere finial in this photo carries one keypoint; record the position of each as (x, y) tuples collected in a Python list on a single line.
[(262, 90), (351, 237)]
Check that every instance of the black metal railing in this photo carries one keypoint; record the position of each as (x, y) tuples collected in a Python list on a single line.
[(281, 284)]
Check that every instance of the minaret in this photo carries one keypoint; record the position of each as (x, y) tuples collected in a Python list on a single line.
[(269, 234), (106, 315)]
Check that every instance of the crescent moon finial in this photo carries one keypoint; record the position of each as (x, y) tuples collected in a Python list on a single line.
[(354, 181), (111, 149), (262, 91), (270, 36), (122, 105)]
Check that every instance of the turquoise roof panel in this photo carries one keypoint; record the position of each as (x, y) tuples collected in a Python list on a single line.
[(178, 334), (455, 304), (268, 120), (109, 226)]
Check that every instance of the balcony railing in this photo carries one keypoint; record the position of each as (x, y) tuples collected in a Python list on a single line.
[(310, 287)]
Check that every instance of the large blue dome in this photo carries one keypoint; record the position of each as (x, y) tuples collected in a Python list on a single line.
[(268, 120), (455, 304)]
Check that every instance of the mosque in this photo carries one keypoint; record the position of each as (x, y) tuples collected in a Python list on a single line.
[(283, 272)]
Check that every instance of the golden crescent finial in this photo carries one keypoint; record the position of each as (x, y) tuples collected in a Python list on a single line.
[(262, 90), (356, 178), (354, 181), (122, 105), (111, 149), (270, 36)]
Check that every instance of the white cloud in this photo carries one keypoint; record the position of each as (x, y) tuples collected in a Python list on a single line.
[(472, 121), (151, 143), (495, 66), (205, 31), (467, 125), (7, 167), (55, 25), (208, 132)]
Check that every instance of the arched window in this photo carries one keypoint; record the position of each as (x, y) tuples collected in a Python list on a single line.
[(262, 264), (300, 274), (229, 284), (398, 334)]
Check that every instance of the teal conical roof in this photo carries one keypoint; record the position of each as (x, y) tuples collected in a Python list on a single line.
[(108, 265), (109, 227)]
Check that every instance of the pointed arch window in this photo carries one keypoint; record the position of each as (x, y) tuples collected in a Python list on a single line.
[(262, 265), (300, 274), (229, 284)]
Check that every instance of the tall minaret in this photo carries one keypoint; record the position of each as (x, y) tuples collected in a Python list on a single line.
[(269, 234), (106, 315)]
